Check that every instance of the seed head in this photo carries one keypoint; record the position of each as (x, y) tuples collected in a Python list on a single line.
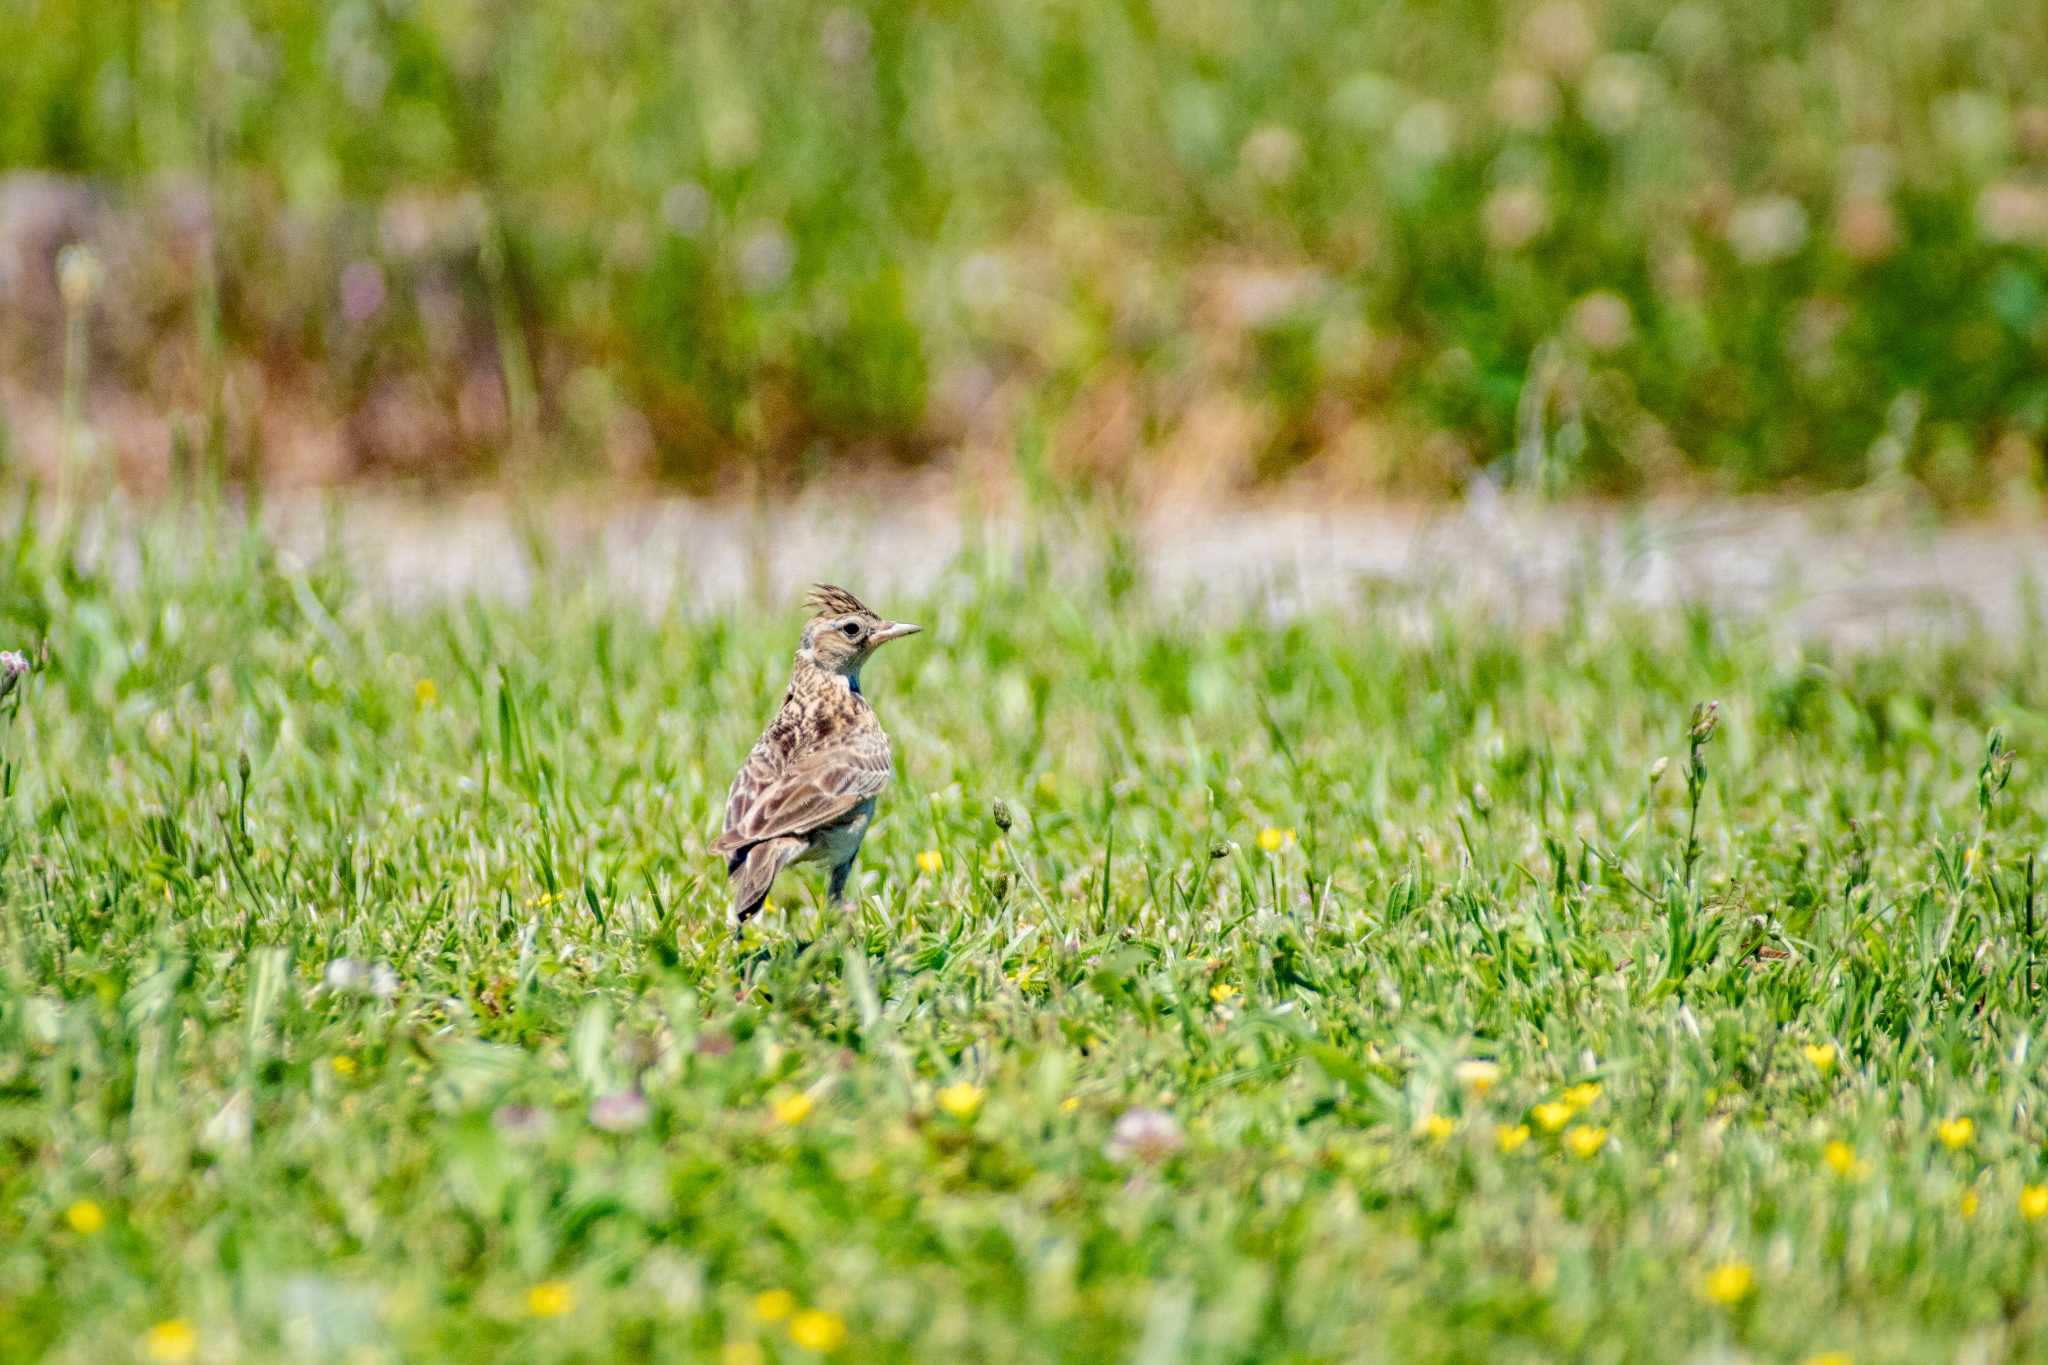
[(1706, 718), (79, 273), (14, 666)]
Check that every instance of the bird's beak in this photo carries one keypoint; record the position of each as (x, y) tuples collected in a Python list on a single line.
[(894, 630)]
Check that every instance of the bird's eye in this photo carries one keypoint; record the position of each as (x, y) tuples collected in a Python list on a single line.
[(852, 630)]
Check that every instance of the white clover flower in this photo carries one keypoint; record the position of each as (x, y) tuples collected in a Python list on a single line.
[(1272, 154), (1767, 228), (1514, 216), (686, 208), (1616, 91), (1525, 101), (2012, 211), (1601, 321), (1148, 1135), (1561, 35), (619, 1112), (767, 255), (1425, 131), (346, 976), (845, 37)]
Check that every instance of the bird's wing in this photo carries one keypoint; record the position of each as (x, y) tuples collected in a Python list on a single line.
[(765, 763), (815, 790)]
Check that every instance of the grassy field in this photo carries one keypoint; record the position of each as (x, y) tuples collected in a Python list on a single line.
[(1220, 988), (1604, 244)]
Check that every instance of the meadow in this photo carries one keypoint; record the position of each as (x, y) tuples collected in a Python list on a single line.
[(1391, 982), (1376, 244)]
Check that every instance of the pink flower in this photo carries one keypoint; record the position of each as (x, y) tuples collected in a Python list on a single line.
[(620, 1112)]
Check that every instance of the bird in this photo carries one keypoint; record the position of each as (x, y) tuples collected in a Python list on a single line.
[(807, 790)]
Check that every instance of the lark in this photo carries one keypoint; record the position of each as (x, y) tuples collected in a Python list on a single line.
[(807, 791)]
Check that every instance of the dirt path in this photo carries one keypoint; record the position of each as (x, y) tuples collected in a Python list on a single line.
[(1852, 569)]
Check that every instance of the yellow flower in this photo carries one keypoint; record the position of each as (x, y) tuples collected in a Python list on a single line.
[(1552, 1116), (1480, 1076), (1509, 1139), (931, 862), (741, 1353), (343, 1066), (1223, 992), (1841, 1158), (1821, 1055), (425, 693), (171, 1340), (773, 1305), (792, 1108), (1970, 861), (1828, 1358), (1967, 1205), (1728, 1283), (816, 1330), (1585, 1139), (1272, 840), (960, 1099), (2034, 1202), (85, 1217), (1436, 1127), (1070, 1104), (1581, 1097), (1955, 1133), (550, 1299)]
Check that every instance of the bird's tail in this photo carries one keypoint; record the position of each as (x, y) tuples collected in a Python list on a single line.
[(754, 872)]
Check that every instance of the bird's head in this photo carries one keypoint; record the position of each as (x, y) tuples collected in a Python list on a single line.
[(842, 633)]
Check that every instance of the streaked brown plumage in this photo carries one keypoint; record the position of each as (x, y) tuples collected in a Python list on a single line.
[(807, 791)]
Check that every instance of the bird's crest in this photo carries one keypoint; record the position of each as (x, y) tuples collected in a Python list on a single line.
[(835, 601)]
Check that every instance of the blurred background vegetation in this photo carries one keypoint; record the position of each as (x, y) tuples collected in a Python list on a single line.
[(1376, 247)]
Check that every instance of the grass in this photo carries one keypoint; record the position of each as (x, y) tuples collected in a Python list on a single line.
[(364, 993), (1609, 245)]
